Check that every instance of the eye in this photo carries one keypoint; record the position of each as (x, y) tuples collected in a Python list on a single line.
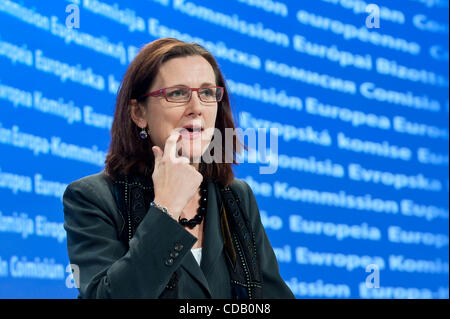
[(174, 93), (177, 93), (207, 92)]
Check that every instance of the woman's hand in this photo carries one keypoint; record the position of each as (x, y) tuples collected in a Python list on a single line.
[(175, 181)]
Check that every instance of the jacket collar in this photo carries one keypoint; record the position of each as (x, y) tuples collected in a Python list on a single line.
[(212, 243)]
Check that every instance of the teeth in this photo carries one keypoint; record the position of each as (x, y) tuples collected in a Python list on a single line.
[(193, 129)]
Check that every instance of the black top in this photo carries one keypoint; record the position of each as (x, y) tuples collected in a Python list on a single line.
[(160, 246)]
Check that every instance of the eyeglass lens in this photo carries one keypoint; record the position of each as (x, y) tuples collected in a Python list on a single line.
[(212, 94)]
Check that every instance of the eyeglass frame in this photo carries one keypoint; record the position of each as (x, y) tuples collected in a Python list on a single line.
[(164, 92)]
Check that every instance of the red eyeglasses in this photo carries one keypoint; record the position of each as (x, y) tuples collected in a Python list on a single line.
[(177, 94)]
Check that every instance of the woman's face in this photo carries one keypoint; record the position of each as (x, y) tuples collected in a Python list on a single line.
[(163, 117)]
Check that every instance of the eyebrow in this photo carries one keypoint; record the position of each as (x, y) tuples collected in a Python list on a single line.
[(202, 85)]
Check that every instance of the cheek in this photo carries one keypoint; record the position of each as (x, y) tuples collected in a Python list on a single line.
[(211, 117), (161, 125)]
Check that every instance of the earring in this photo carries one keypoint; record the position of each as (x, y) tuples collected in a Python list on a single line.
[(143, 134)]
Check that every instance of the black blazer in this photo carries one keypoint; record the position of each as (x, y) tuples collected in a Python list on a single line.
[(108, 269)]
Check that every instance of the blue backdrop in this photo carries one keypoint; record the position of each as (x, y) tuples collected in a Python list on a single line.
[(358, 206)]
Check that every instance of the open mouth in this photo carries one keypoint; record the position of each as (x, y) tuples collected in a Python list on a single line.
[(193, 129), (191, 132)]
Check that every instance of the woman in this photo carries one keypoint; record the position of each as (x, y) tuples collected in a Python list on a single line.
[(159, 221)]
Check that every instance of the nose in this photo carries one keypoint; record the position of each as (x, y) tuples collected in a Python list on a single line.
[(194, 106)]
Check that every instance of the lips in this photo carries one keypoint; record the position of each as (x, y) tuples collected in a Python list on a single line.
[(191, 131), (193, 128)]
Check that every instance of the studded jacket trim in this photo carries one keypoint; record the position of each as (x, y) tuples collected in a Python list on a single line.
[(133, 197), (246, 278)]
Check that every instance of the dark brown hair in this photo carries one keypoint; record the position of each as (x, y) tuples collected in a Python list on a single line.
[(128, 153)]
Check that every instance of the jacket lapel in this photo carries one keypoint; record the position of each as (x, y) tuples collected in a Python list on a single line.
[(213, 241), (191, 266)]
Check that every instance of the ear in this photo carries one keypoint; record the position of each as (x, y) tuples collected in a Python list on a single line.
[(137, 113)]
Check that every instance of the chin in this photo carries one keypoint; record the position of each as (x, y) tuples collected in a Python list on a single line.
[(193, 152)]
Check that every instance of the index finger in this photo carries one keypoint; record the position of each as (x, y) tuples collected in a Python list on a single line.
[(170, 148)]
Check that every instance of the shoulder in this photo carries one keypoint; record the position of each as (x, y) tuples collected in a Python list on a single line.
[(97, 181), (246, 197), (97, 187), (240, 186), (91, 197)]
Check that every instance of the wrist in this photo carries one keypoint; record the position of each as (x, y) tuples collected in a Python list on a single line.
[(165, 209)]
